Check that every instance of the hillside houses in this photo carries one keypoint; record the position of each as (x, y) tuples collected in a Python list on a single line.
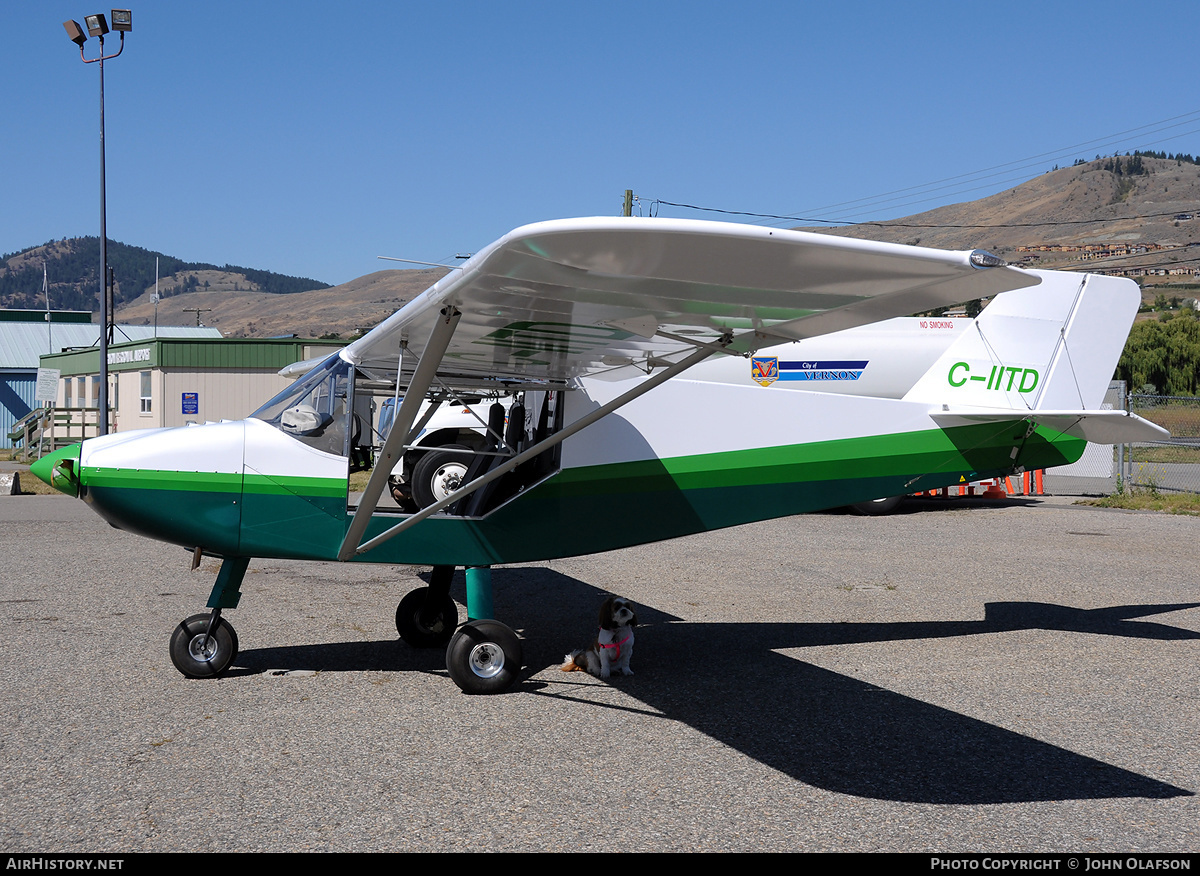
[(1113, 249)]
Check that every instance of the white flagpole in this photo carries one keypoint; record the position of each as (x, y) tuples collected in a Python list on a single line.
[(156, 296), (46, 292)]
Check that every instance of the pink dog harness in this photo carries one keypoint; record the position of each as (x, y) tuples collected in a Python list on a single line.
[(616, 645)]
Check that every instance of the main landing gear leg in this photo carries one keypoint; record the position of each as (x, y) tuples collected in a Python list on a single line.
[(484, 657), (479, 593), (204, 645)]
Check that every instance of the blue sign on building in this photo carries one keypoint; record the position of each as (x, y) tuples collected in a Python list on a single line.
[(191, 403)]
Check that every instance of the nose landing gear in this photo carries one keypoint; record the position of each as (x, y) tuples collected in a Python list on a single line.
[(204, 645)]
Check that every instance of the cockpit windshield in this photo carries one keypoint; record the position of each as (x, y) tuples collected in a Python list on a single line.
[(315, 408)]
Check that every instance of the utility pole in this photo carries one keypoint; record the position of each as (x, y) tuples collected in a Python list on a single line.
[(628, 202), (197, 311)]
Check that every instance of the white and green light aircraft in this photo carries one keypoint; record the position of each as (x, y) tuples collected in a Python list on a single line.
[(660, 378)]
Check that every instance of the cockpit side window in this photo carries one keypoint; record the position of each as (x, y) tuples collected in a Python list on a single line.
[(315, 408)]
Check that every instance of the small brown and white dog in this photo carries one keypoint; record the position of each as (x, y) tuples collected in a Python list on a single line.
[(614, 643)]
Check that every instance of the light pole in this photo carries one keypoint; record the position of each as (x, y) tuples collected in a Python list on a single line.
[(122, 21)]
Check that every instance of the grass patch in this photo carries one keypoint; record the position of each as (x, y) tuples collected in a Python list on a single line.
[(1182, 420), (1166, 453), (31, 486), (1141, 499)]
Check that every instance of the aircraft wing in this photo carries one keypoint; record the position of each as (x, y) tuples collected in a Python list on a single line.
[(560, 299)]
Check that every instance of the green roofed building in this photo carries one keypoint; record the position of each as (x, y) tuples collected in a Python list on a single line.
[(176, 381), (25, 335)]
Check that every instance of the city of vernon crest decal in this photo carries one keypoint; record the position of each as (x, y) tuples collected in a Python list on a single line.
[(764, 370)]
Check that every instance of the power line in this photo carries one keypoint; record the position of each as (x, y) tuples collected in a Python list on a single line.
[(956, 182), (973, 176), (999, 185), (895, 224)]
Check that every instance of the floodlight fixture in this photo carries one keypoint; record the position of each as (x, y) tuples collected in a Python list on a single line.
[(75, 32), (96, 24), (122, 21)]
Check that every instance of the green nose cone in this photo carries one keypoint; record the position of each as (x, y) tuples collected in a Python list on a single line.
[(60, 470)]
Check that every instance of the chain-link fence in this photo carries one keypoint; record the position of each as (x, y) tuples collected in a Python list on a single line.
[(1172, 465), (1169, 466), (1096, 472)]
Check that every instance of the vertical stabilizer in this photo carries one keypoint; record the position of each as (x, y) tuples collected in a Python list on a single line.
[(1053, 346)]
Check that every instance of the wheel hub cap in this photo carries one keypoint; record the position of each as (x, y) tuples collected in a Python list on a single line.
[(487, 660), (203, 648), (431, 625), (448, 480)]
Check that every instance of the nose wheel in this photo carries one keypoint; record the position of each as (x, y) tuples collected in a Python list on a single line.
[(204, 645)]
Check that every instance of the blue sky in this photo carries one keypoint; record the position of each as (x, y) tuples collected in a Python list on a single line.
[(309, 138)]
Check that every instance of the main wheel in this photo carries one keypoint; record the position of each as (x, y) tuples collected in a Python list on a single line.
[(431, 628), (484, 657), (878, 507), (439, 473), (198, 655)]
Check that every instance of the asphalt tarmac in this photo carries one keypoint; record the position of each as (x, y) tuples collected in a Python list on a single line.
[(960, 676)]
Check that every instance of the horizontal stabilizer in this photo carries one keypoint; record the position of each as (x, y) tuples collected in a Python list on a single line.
[(1100, 427)]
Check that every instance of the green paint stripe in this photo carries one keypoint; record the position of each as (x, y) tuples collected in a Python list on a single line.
[(933, 451), (213, 482), (278, 485), (153, 479), (876, 456)]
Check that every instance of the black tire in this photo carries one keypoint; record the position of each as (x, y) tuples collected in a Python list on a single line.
[(432, 631), (198, 656), (439, 473), (878, 507), (484, 657)]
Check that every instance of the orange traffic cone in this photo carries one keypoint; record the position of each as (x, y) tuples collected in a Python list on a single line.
[(995, 490)]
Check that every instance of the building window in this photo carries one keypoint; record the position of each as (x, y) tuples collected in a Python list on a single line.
[(145, 375), (94, 396)]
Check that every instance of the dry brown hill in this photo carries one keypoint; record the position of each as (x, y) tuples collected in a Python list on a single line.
[(1077, 205), (341, 310)]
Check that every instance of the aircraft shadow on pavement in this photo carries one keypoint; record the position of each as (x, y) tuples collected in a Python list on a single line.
[(817, 726)]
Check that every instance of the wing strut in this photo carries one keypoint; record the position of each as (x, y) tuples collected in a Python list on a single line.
[(422, 379), (582, 423)]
